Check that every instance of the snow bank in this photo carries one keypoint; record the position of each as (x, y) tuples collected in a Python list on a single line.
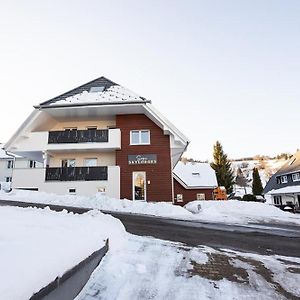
[(37, 245), (233, 211), (99, 201)]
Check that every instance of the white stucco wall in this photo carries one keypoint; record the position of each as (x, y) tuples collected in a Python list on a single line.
[(4, 171), (35, 178)]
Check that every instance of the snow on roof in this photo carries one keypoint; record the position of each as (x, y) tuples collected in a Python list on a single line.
[(115, 93), (194, 174), (3, 154), (286, 190)]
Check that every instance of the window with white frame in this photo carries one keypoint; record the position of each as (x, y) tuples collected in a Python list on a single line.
[(200, 196), (284, 179), (8, 179), (10, 164), (139, 137), (179, 198), (296, 177), (72, 191), (32, 164), (277, 200)]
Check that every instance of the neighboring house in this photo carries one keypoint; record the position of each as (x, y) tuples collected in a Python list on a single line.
[(6, 167), (99, 137), (193, 181), (284, 185), (8, 163)]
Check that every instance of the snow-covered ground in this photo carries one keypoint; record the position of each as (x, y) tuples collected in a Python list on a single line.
[(153, 269), (231, 211), (240, 212), (37, 245)]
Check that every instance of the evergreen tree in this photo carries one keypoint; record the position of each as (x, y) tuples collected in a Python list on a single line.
[(257, 187), (222, 167)]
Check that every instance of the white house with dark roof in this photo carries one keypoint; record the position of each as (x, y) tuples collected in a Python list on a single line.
[(99, 136), (284, 185)]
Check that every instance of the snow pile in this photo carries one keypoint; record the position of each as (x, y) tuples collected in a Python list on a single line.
[(37, 245), (99, 201), (5, 185), (240, 212), (114, 93), (231, 211)]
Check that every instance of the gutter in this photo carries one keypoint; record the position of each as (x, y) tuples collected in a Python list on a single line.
[(70, 105)]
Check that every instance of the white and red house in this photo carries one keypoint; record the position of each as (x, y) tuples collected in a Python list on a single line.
[(99, 137)]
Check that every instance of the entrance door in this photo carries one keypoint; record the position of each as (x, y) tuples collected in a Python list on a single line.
[(139, 185)]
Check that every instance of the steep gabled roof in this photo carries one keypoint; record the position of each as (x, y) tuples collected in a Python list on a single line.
[(110, 92), (291, 166), (192, 175)]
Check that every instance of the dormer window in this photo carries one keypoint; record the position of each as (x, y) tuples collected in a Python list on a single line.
[(284, 179), (97, 89)]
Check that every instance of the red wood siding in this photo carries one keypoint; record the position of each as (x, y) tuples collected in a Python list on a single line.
[(190, 195), (159, 174)]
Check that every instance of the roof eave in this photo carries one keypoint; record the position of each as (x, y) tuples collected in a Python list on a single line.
[(91, 104)]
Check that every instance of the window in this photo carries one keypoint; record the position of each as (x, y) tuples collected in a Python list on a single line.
[(97, 89), (179, 198), (200, 196), (8, 179), (277, 200), (10, 164), (90, 162), (70, 128), (196, 174), (91, 128), (72, 191), (66, 163), (284, 179), (139, 137), (32, 164), (296, 177)]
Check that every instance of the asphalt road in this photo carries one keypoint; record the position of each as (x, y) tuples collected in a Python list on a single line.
[(258, 238)]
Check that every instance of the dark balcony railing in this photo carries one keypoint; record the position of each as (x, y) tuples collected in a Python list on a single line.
[(78, 136), (76, 174)]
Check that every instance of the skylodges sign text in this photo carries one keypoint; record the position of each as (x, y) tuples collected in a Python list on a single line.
[(142, 159)]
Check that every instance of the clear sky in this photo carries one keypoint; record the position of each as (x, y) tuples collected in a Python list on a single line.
[(219, 70)]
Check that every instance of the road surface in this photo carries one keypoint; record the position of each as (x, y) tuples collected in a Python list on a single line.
[(259, 238)]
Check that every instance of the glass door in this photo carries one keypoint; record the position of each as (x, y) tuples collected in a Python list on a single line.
[(139, 185)]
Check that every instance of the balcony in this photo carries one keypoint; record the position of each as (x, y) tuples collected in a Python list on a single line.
[(76, 174), (78, 136), (106, 139)]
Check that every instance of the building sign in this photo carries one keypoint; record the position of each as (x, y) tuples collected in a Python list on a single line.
[(142, 159)]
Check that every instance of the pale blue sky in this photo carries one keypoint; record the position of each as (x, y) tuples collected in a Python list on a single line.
[(219, 70)]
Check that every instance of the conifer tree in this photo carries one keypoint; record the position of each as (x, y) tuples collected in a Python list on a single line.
[(222, 167), (257, 187)]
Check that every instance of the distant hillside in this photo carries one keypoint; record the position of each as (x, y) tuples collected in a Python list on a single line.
[(266, 168)]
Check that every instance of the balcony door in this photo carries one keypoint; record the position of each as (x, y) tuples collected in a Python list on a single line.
[(67, 163), (139, 186)]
